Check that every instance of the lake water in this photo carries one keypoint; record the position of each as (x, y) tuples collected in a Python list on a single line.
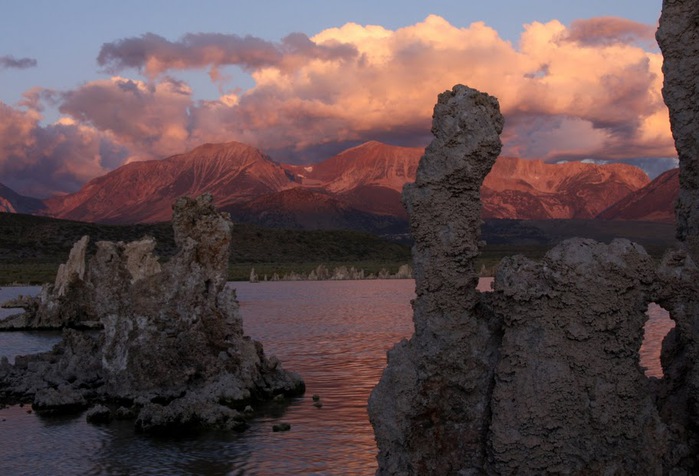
[(334, 333)]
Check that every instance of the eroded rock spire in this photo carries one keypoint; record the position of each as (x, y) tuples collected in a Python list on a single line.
[(430, 409)]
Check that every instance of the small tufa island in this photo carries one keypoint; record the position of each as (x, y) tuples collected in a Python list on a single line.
[(170, 352)]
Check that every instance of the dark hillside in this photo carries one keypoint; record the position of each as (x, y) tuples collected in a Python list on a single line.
[(31, 248)]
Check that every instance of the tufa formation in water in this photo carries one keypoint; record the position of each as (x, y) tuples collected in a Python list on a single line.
[(172, 353), (542, 375), (62, 304)]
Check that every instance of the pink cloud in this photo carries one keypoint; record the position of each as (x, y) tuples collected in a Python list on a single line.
[(604, 31), (150, 119), (591, 90), (41, 161)]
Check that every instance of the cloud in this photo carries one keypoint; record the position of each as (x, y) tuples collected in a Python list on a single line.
[(561, 98), (605, 31), (154, 54), (9, 61), (588, 91), (41, 161), (150, 119)]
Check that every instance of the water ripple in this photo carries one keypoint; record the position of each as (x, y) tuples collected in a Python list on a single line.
[(335, 334)]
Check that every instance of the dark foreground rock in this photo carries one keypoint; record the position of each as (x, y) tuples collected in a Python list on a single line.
[(678, 37), (430, 409), (172, 349), (569, 395), (542, 375)]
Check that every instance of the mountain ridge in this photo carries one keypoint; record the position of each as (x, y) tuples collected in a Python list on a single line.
[(359, 188), (13, 202), (231, 172), (653, 202)]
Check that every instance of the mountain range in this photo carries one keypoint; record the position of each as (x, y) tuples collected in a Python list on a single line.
[(358, 189)]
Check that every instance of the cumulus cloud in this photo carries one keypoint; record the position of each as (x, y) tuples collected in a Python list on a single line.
[(561, 98), (150, 119), (41, 161), (9, 61), (591, 90)]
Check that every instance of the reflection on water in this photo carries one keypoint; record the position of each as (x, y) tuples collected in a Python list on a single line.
[(656, 328), (334, 333)]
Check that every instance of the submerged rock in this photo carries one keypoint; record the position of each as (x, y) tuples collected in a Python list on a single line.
[(98, 414), (172, 345), (281, 427)]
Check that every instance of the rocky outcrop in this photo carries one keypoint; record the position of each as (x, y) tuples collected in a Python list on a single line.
[(65, 303), (430, 408), (678, 37), (569, 395), (542, 375), (678, 392), (172, 346), (340, 273)]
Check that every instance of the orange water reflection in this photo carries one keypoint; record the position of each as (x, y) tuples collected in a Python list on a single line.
[(335, 334)]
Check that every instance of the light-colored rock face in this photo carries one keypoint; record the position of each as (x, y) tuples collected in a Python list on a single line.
[(73, 269), (140, 260), (62, 304), (171, 333)]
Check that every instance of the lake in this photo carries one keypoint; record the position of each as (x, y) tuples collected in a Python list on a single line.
[(334, 333)]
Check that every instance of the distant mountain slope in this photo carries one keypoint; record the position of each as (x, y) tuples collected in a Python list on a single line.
[(654, 202), (370, 164), (359, 188), (13, 202), (32, 247), (145, 191), (376, 199), (307, 209), (531, 189)]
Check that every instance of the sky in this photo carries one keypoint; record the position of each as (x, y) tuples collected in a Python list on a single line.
[(87, 86)]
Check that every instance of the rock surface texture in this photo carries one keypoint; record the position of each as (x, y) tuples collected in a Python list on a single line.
[(66, 303), (678, 37), (542, 375), (172, 349), (569, 395), (430, 409)]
